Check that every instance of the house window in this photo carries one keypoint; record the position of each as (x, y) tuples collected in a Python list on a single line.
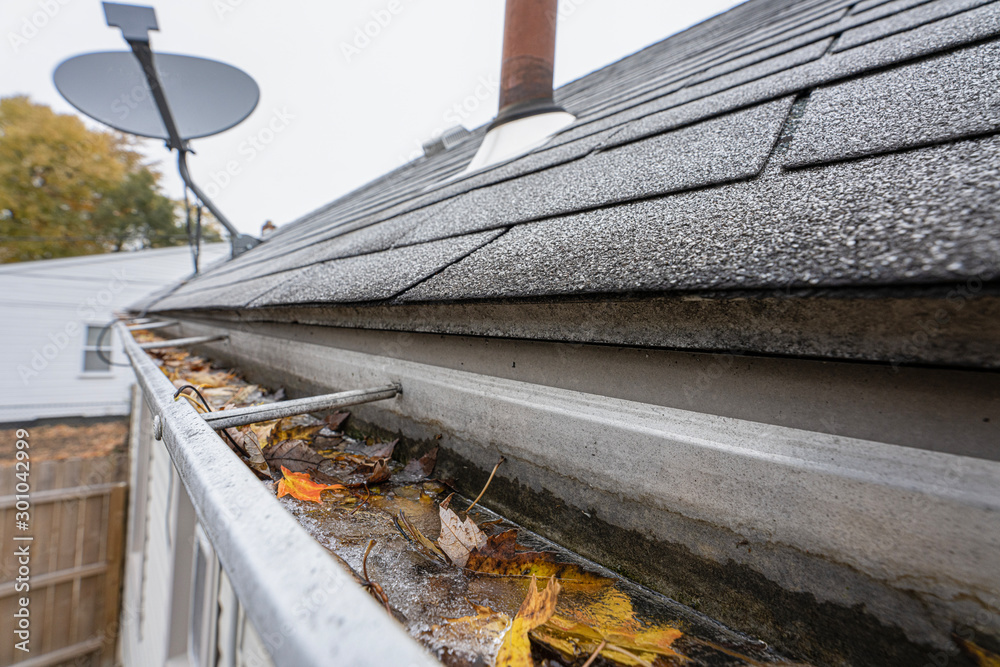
[(204, 603), (92, 361)]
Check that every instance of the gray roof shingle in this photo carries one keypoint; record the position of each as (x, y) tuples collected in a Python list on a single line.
[(923, 13), (939, 99), (805, 142), (370, 277), (718, 150), (847, 224), (373, 277)]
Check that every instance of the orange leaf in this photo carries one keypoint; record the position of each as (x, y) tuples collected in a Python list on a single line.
[(299, 485)]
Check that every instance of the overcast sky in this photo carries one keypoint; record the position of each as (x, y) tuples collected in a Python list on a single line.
[(350, 108)]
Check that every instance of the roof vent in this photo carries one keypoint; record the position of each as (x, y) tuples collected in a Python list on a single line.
[(450, 138), (528, 115)]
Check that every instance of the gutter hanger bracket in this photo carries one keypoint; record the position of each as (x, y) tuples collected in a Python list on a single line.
[(182, 342), (152, 325), (268, 411)]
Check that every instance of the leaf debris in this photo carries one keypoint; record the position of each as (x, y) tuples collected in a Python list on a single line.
[(299, 485), (458, 538), (479, 572), (536, 610)]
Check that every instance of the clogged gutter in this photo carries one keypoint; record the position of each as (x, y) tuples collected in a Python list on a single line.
[(474, 588)]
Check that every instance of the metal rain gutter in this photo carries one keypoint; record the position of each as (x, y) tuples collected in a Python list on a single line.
[(305, 606)]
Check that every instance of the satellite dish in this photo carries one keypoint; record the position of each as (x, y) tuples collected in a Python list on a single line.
[(206, 96), (171, 97)]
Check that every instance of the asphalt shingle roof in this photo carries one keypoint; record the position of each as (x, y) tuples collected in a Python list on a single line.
[(785, 142), (848, 224), (942, 98)]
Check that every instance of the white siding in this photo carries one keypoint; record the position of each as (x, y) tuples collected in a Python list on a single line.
[(158, 595), (251, 651), (46, 307), (239, 645)]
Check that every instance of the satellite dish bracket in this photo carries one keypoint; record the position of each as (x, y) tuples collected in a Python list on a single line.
[(240, 242), (135, 23)]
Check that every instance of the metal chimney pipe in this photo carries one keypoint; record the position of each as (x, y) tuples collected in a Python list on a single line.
[(529, 49)]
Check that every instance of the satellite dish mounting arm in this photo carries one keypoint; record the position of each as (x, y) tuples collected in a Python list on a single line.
[(240, 242), (135, 23)]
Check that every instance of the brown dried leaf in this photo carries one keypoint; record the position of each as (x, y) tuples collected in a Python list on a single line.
[(297, 427), (381, 473), (458, 538), (366, 473), (413, 534), (248, 441), (220, 396), (208, 378), (419, 469), (295, 455), (244, 394), (234, 437), (327, 443), (380, 450), (503, 546), (334, 421)]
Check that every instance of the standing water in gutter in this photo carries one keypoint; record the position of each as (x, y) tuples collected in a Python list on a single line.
[(473, 587)]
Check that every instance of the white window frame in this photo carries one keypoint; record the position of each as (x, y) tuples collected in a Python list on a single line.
[(206, 600), (107, 348)]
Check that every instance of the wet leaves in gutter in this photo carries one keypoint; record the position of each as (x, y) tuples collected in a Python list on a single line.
[(475, 588)]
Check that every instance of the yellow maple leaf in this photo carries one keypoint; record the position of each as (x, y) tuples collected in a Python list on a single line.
[(979, 655), (296, 427), (265, 433), (299, 485), (536, 610), (592, 608)]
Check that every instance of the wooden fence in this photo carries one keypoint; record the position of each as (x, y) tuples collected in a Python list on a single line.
[(77, 530)]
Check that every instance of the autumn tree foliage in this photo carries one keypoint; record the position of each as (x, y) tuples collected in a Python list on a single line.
[(66, 190)]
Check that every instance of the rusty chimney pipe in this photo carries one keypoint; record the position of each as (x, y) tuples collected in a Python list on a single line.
[(529, 49)]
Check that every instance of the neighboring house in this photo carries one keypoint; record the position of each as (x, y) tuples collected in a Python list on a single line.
[(54, 312), (735, 331)]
